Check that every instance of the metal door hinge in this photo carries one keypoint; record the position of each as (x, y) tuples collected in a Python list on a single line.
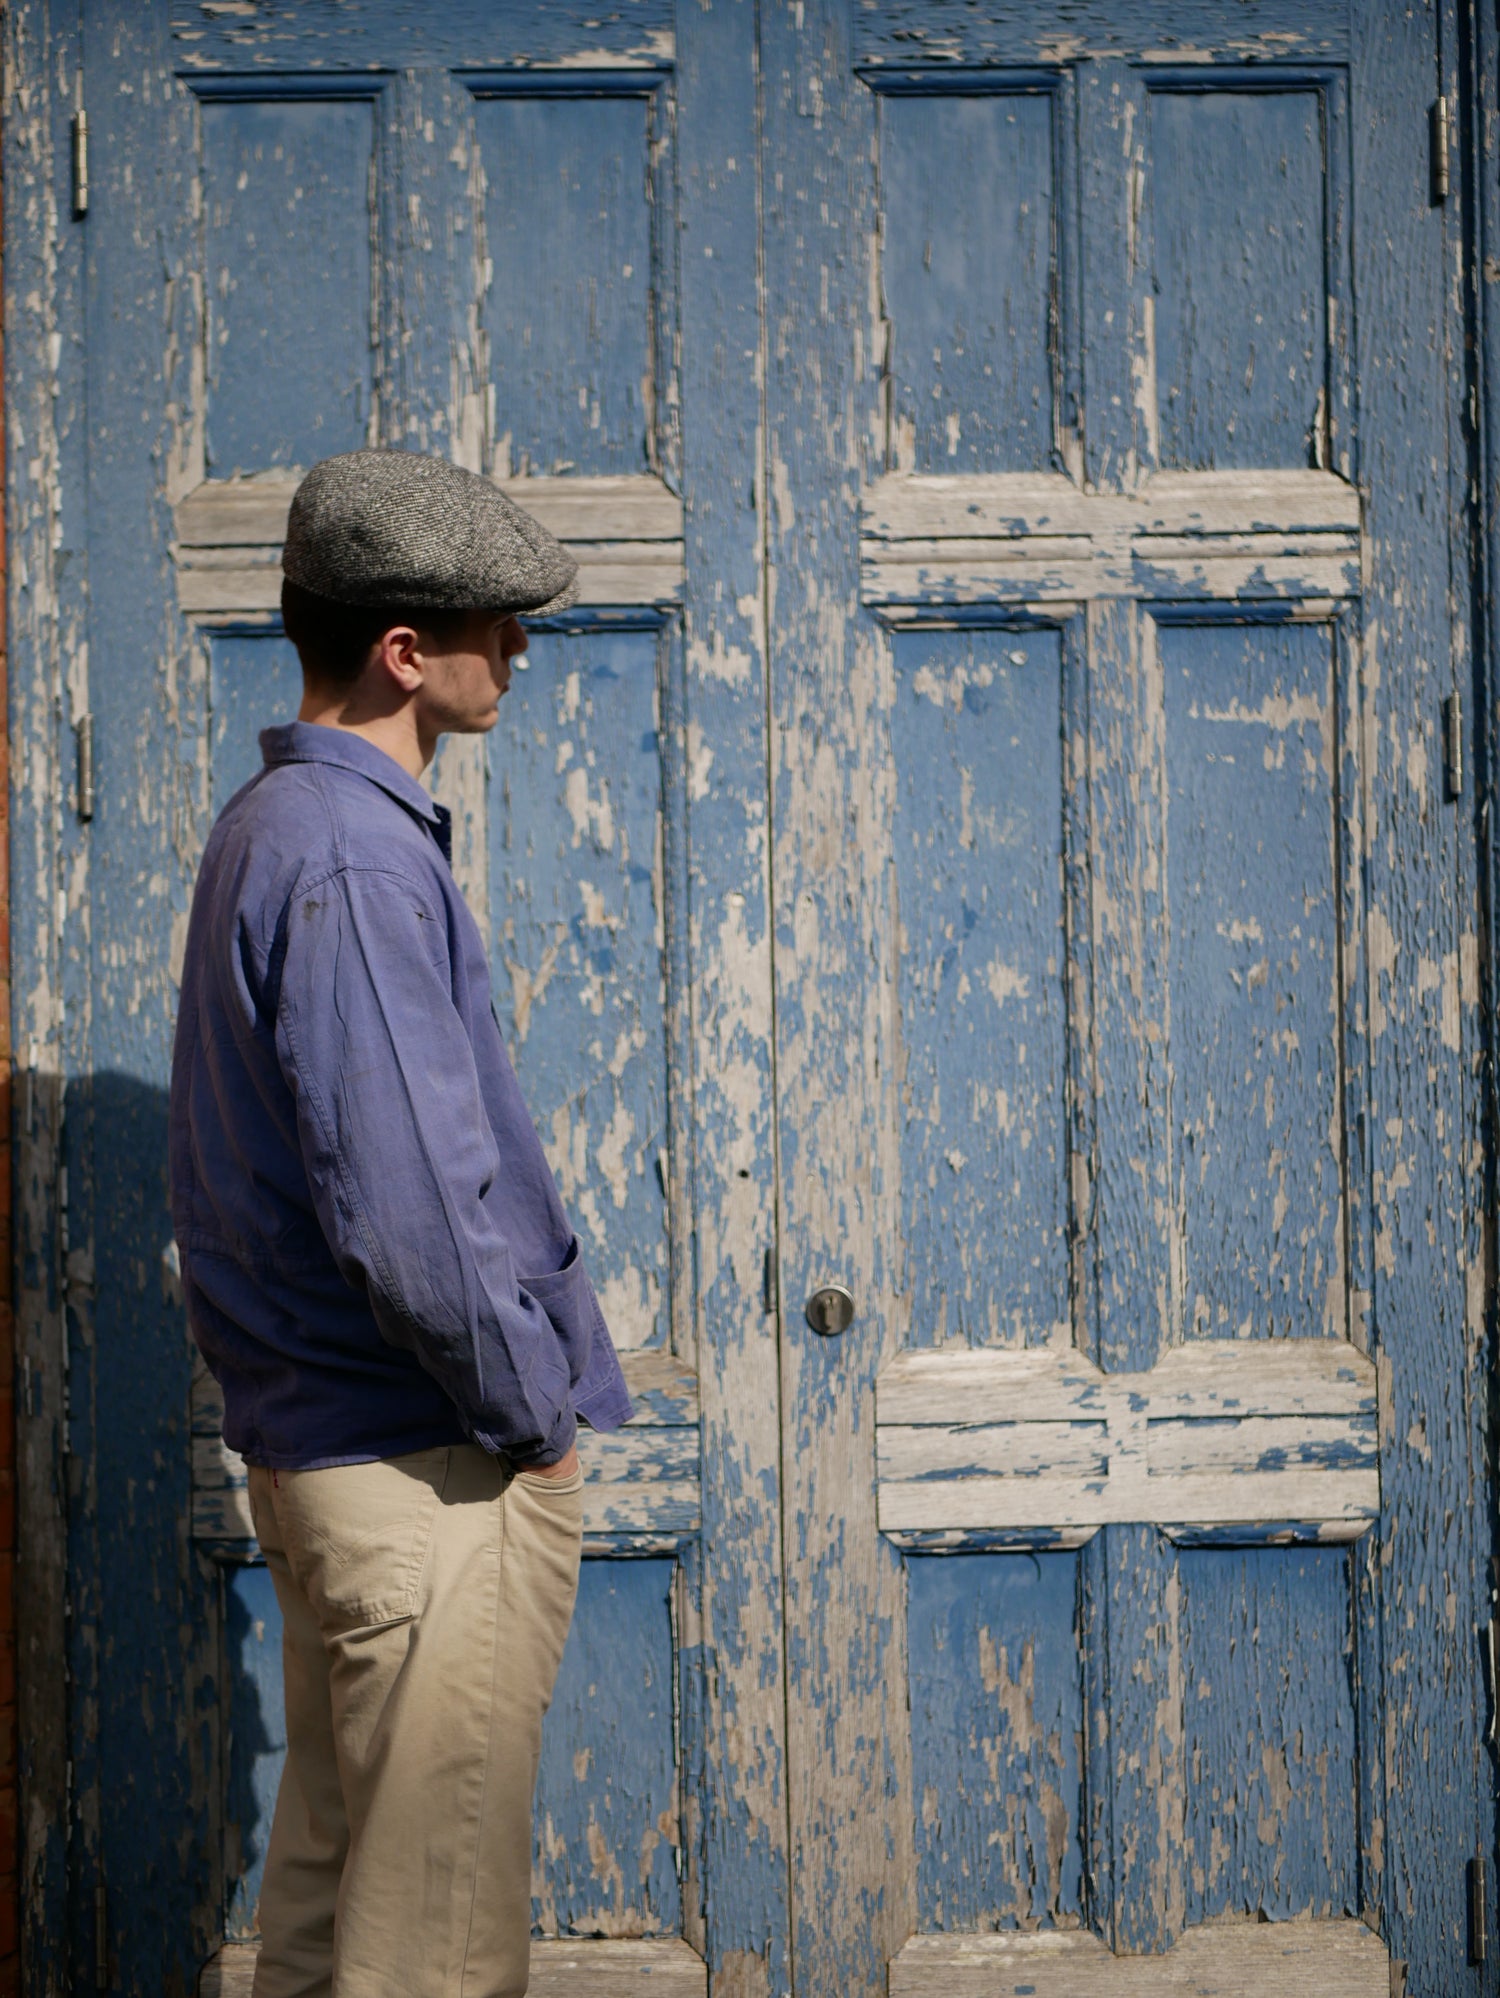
[(1479, 1917), (80, 162), (83, 733), (1437, 123), (1453, 747)]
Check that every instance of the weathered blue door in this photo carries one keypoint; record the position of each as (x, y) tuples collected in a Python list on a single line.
[(525, 237), (988, 833), (1126, 979)]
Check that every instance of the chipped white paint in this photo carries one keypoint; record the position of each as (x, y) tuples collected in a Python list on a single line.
[(720, 661), (631, 1302), (1279, 1434), (1038, 537), (459, 779), (581, 1967), (44, 630), (1304, 1959)]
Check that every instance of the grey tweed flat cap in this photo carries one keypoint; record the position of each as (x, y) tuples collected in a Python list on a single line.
[(399, 529)]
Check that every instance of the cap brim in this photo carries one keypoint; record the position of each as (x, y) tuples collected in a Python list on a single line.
[(565, 599)]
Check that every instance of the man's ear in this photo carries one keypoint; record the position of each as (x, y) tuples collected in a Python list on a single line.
[(399, 656)]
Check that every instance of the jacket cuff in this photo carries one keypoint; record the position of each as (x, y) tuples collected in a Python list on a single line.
[(558, 1444)]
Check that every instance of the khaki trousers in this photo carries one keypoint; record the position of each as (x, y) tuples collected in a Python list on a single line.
[(426, 1600)]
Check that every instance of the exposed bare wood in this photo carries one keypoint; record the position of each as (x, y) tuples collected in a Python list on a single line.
[(1226, 1377), (929, 539), (1313, 1959), (608, 507), (905, 506), (1271, 1434), (657, 1967)]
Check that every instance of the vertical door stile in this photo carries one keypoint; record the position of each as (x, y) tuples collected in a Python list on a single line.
[(732, 1635), (1424, 1573), (432, 369), (1132, 1655), (1367, 1630), (853, 1876), (1481, 41), (80, 1088), (573, 338), (1475, 1174), (46, 575), (157, 1674)]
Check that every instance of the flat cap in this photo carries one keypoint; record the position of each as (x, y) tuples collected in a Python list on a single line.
[(398, 529)]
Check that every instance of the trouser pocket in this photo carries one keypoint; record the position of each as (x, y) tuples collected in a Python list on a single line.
[(567, 1487), (356, 1536)]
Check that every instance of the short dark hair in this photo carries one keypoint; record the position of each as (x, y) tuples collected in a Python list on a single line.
[(333, 640)]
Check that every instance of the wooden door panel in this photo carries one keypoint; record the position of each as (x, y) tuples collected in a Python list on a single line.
[(997, 1733), (608, 1814), (1254, 979), (1271, 1821), (568, 165), (578, 920), (607, 1809), (254, 681), (969, 287), (1241, 283), (979, 855), (289, 242)]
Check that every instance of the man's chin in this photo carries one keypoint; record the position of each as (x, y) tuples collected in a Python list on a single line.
[(476, 724)]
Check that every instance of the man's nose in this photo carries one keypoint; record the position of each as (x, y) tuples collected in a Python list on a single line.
[(513, 639)]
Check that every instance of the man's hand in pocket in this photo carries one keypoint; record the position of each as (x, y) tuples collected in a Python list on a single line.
[(563, 1468)]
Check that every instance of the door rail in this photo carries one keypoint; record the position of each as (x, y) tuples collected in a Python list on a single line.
[(625, 532), (929, 542), (641, 1491), (1293, 1959), (1223, 1441)]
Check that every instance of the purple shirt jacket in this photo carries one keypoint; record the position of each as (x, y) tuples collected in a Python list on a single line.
[(374, 1252)]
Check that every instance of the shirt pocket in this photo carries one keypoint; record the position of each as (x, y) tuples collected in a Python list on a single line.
[(567, 1297), (357, 1535)]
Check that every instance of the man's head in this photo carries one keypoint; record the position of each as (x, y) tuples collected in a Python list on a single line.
[(358, 663), (405, 578)]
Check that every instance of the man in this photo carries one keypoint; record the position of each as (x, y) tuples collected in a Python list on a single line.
[(377, 1264)]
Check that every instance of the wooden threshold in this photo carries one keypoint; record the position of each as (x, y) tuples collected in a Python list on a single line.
[(1298, 1959), (661, 1967)]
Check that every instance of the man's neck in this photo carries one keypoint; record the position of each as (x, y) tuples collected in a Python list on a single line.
[(395, 733)]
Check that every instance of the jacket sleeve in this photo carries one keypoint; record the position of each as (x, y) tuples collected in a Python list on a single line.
[(399, 1155)]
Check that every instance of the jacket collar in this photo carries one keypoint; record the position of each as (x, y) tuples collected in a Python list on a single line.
[(311, 742)]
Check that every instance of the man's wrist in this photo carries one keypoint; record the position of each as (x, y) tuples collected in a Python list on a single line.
[(562, 1467), (557, 1446)]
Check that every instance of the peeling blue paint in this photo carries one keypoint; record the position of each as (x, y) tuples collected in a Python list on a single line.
[(997, 1741), (1111, 244)]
